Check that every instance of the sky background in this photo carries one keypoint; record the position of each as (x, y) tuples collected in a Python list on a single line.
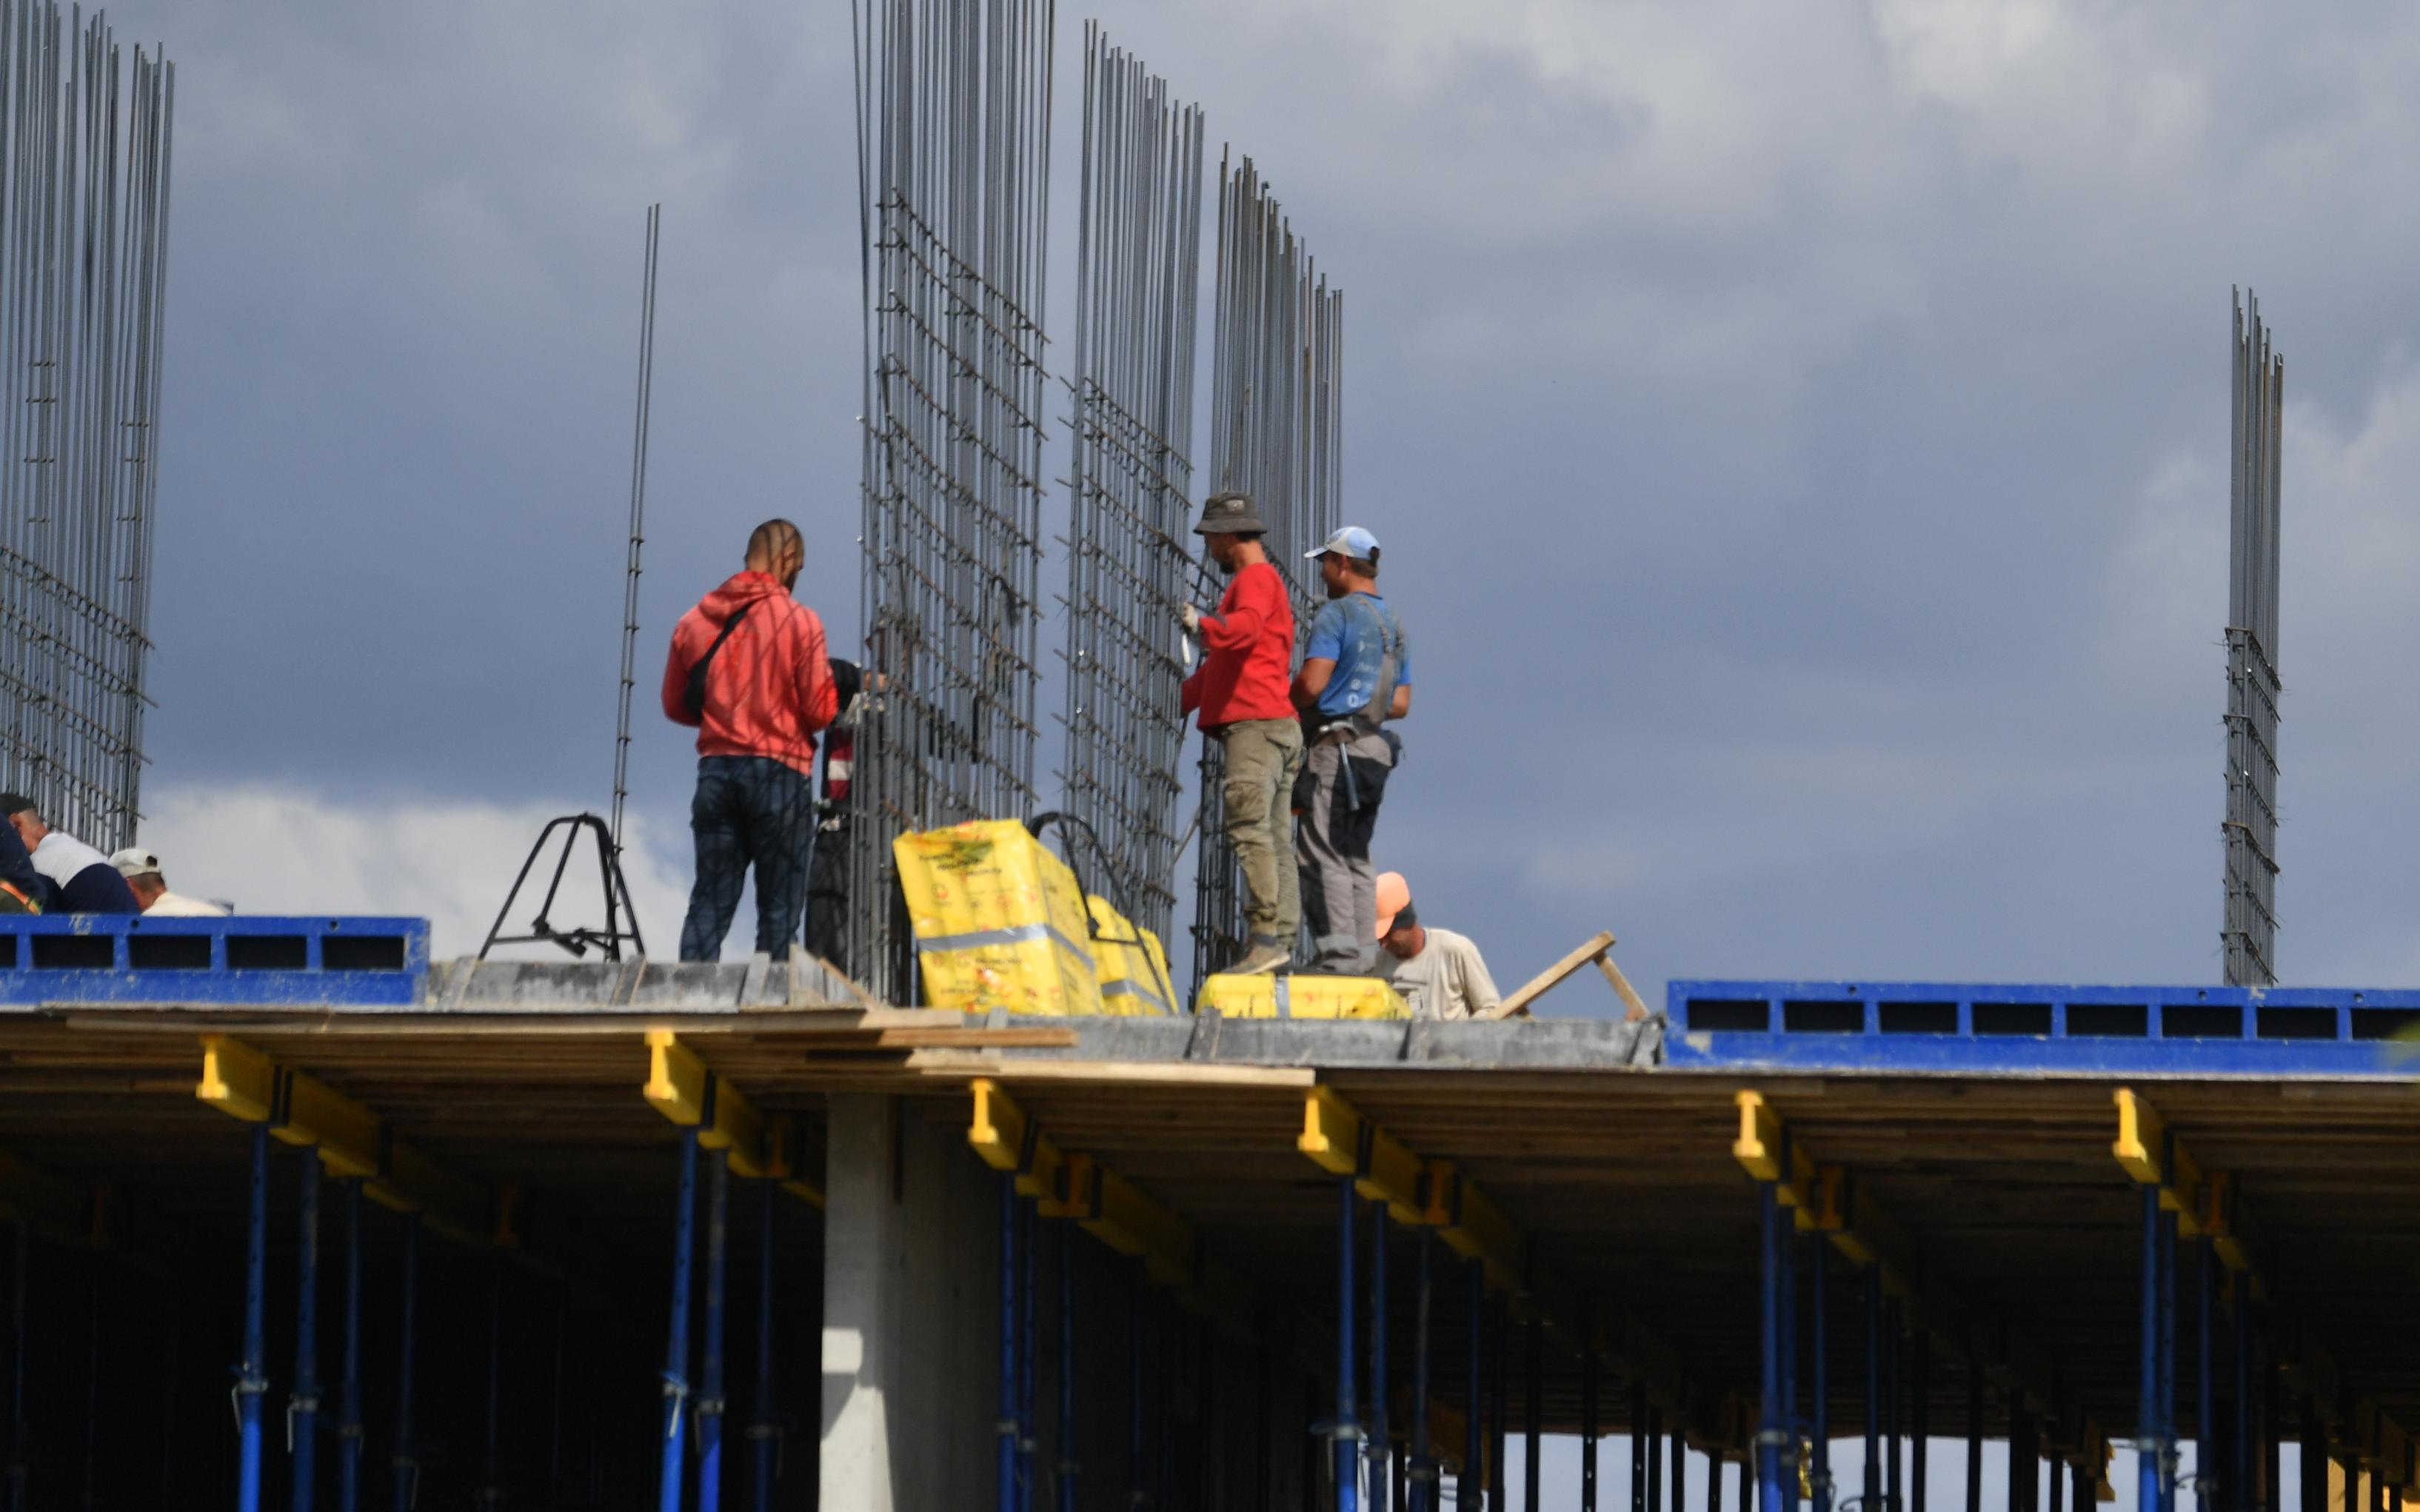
[(1798, 433)]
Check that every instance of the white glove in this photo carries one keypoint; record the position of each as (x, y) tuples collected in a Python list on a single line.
[(1192, 618)]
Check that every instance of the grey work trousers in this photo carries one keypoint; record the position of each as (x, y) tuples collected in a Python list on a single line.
[(1347, 777), (1263, 758)]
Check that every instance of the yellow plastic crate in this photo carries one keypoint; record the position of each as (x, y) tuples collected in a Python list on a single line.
[(999, 921), (1267, 996), (1130, 966)]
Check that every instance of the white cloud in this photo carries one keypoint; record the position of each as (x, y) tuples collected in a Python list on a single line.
[(277, 850)]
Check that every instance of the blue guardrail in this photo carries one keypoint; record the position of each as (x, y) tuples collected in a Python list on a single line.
[(2072, 1028), (242, 961)]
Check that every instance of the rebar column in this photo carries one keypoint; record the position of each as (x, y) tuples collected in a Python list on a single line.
[(2249, 833)]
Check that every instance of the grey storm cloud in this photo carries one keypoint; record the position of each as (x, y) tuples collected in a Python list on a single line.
[(1798, 433)]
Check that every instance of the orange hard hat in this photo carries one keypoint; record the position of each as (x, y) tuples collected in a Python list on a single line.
[(1394, 896)]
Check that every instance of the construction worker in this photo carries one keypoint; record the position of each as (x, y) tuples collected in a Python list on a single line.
[(749, 671), (81, 879), (141, 870), (1241, 691), (22, 889), (1357, 674), (1439, 973)]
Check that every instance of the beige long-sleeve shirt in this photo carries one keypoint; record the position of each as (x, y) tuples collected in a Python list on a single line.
[(1448, 980)]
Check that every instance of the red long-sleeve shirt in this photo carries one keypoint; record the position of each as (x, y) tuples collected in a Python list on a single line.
[(1246, 653), (770, 688)]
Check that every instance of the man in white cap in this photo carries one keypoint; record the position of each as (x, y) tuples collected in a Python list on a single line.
[(1357, 674), (141, 870), (1438, 973)]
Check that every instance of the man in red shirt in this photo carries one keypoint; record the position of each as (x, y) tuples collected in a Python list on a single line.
[(749, 671), (1242, 689)]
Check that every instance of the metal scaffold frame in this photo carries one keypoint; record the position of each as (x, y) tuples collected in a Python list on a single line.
[(84, 147), (1277, 433), (1138, 278), (2248, 931), (953, 136)]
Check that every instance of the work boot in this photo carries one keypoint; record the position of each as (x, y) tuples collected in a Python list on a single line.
[(1267, 954)]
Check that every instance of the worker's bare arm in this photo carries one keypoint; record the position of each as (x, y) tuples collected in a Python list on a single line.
[(1403, 702), (1313, 679)]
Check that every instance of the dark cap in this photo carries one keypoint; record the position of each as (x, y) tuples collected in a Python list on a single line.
[(1230, 514), (13, 804)]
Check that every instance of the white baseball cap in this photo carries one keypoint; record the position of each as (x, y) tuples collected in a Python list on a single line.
[(1351, 540), (134, 861)]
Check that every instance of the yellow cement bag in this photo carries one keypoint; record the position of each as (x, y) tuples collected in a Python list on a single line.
[(1130, 966), (1266, 997), (999, 921)]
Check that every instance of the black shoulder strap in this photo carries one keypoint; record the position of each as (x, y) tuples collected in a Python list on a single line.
[(693, 695)]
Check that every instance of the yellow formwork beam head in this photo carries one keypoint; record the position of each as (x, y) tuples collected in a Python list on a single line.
[(1339, 1141), (1472, 1225), (781, 1163), (1766, 1152), (1077, 1187), (998, 1131), (300, 1109), (681, 1088)]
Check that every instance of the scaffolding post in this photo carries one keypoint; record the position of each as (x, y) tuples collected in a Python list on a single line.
[(302, 1407), (491, 1459), (709, 1396), (1067, 1468), (668, 1486), (252, 1376), (2150, 1449), (764, 1428), (1771, 1428), (1819, 1480), (1381, 1452), (1474, 1458), (407, 1462), (348, 1388), (1348, 1429)]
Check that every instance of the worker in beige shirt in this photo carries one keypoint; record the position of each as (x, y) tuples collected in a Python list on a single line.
[(1438, 972)]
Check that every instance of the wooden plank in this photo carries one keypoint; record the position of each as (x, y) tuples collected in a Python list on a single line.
[(1552, 976)]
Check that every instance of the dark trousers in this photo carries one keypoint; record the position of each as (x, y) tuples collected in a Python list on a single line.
[(749, 810)]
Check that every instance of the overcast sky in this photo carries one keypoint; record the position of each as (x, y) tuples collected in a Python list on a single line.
[(1798, 433)]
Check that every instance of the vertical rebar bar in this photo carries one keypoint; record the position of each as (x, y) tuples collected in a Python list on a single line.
[(2249, 833), (638, 524)]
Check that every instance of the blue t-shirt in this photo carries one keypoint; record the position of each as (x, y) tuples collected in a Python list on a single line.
[(1352, 632)]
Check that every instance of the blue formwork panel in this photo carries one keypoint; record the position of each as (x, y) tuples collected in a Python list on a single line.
[(2057, 1030), (242, 961)]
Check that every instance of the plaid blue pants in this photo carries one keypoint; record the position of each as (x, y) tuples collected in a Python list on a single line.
[(749, 810)]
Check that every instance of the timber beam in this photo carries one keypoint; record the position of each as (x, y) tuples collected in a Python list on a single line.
[(1828, 1200), (354, 1142)]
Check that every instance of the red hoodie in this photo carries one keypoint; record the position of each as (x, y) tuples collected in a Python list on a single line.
[(1246, 653), (770, 688)]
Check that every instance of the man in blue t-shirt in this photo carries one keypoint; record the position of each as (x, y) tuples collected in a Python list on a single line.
[(1357, 674)]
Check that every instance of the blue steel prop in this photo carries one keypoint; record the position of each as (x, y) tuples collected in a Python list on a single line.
[(676, 1389), (303, 1408), (1936, 1026), (1771, 1433), (1920, 1427), (1499, 1328), (1638, 1442), (1679, 1471), (765, 1428), (2241, 1498), (92, 1376), (1588, 1424), (1469, 1485), (2168, 1359), (252, 1376), (407, 1449), (243, 960), (349, 1385), (491, 1459), (1028, 1220), (1790, 1421), (709, 1408), (1348, 1429), (1872, 1500), (2151, 1456), (1421, 1477), (1067, 1468), (2204, 1482), (1973, 1437), (1533, 1410), (19, 1442), (1004, 1426), (556, 1383), (1819, 1478), (1655, 1456), (1137, 1280), (1894, 1482), (1381, 1451)]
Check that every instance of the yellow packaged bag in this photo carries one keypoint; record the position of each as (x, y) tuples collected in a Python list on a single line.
[(1129, 965), (999, 921), (1267, 996)]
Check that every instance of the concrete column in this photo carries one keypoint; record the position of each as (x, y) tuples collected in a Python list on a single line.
[(861, 1237)]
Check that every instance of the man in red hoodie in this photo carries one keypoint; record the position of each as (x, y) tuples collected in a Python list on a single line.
[(749, 671), (1242, 689)]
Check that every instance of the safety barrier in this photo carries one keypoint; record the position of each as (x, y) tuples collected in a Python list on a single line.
[(240, 960)]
